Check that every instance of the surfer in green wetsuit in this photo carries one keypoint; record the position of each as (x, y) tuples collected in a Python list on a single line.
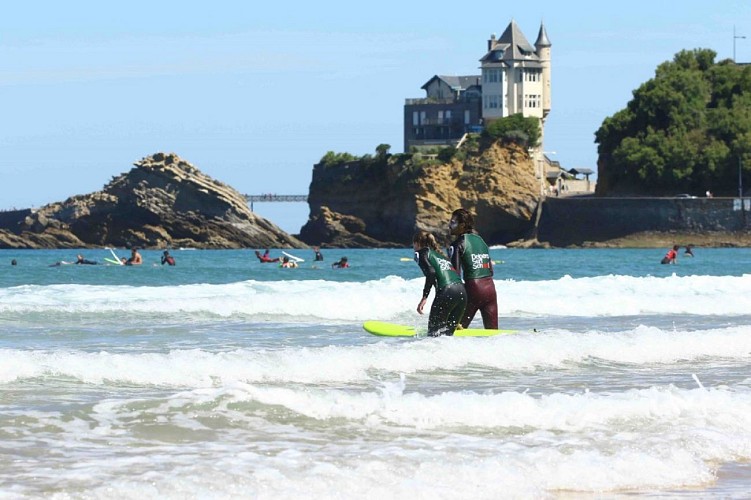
[(470, 254), (450, 296)]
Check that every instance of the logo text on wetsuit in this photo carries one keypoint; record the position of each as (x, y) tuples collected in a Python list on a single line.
[(444, 264), (479, 259)]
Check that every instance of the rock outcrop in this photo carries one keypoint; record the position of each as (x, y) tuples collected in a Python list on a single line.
[(382, 201), (164, 201)]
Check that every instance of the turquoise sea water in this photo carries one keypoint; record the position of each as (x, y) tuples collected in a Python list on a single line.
[(224, 378)]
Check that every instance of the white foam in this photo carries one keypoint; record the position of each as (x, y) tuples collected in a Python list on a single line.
[(642, 346), (392, 297)]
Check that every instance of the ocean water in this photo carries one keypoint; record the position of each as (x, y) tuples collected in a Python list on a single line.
[(225, 378)]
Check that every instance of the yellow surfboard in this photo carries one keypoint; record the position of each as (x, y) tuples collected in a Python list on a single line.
[(385, 329)]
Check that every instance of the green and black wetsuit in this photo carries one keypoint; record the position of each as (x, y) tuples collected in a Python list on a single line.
[(450, 297)]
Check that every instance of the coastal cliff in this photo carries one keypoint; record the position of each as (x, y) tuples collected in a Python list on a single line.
[(164, 201), (381, 201)]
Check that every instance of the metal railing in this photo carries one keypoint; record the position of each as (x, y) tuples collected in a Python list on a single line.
[(252, 198)]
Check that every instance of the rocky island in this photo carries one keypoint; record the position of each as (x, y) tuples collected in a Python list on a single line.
[(379, 201), (163, 201)]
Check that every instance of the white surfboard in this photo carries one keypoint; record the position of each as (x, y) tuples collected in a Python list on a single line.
[(293, 257), (119, 262)]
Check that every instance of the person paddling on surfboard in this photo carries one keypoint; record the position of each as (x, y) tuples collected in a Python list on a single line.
[(81, 260), (450, 296), (470, 254), (265, 257)]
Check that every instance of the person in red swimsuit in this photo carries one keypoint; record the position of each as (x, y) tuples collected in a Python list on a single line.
[(672, 256), (265, 257)]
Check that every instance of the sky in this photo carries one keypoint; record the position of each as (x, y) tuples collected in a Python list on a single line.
[(254, 94)]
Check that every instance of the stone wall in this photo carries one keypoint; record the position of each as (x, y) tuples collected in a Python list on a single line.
[(582, 220)]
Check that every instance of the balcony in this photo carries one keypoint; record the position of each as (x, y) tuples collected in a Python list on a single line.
[(428, 100)]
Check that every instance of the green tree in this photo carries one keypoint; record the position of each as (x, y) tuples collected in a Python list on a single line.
[(382, 150), (683, 130), (516, 128)]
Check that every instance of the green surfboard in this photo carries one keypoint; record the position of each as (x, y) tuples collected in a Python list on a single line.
[(384, 329)]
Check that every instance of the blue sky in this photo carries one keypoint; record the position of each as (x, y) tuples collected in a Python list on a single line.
[(255, 94)]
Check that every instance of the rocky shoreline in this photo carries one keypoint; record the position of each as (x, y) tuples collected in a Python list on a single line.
[(162, 202)]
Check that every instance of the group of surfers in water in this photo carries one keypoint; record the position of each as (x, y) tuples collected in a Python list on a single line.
[(135, 260), (672, 256), (285, 261)]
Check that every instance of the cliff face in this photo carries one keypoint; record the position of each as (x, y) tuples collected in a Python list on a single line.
[(163, 201), (381, 202)]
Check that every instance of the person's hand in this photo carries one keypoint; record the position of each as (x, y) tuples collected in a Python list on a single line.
[(421, 305)]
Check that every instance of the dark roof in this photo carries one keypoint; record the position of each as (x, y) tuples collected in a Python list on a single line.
[(511, 46), (456, 82), (581, 170), (542, 38)]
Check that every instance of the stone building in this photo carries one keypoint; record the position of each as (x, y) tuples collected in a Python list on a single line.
[(514, 78)]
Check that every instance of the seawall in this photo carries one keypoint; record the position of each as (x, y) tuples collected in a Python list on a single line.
[(588, 220)]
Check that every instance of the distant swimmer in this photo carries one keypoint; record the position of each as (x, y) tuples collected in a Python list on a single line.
[(672, 256), (14, 262), (135, 258), (689, 251), (319, 255), (167, 258), (287, 263), (81, 260), (265, 257), (341, 264)]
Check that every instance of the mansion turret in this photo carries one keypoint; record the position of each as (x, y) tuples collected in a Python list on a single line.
[(515, 78)]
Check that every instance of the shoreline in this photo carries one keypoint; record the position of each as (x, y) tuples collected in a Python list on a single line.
[(653, 239)]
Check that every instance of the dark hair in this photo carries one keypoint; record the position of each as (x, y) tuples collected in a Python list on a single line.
[(464, 219)]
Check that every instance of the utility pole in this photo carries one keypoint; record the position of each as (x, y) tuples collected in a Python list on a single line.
[(735, 37)]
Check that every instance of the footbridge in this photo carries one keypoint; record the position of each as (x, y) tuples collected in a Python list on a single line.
[(253, 198)]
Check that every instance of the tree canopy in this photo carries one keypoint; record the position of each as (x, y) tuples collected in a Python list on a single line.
[(685, 130), (524, 131)]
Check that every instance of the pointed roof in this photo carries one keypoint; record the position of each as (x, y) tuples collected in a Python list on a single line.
[(514, 37), (511, 46), (542, 38)]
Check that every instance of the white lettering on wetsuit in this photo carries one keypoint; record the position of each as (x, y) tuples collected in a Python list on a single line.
[(444, 264), (478, 259)]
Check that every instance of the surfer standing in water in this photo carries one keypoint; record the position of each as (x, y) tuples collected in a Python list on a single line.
[(470, 255), (450, 296), (319, 255), (135, 258)]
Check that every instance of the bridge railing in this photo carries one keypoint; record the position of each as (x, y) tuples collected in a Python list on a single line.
[(252, 198)]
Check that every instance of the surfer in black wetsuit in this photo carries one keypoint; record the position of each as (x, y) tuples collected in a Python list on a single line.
[(81, 260), (319, 255), (450, 296), (470, 254)]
